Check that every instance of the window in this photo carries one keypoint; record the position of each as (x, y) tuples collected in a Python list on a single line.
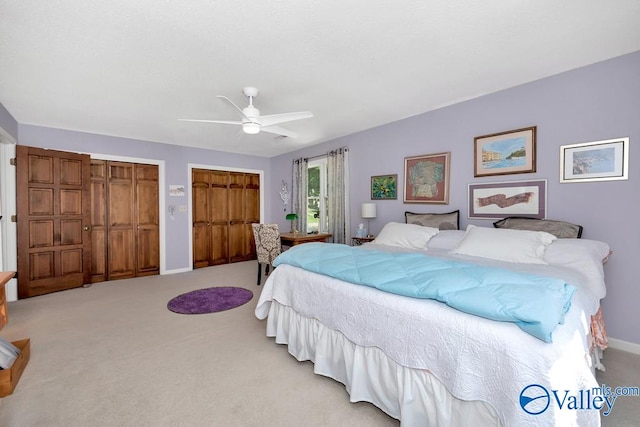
[(317, 215)]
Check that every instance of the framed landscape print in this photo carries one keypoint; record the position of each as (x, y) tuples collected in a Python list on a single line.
[(426, 179), (384, 187), (501, 199), (505, 153), (606, 160)]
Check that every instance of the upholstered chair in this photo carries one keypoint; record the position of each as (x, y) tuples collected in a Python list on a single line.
[(268, 245)]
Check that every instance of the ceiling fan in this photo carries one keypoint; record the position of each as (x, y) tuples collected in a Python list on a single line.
[(252, 122)]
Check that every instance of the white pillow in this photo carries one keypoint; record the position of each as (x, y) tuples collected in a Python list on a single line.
[(405, 235), (583, 255), (503, 244), (446, 240)]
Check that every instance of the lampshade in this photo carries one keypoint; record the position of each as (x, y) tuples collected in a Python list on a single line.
[(368, 210)]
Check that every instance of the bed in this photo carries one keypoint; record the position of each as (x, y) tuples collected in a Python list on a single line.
[(428, 362)]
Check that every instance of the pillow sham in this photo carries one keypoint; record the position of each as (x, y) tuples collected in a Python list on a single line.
[(405, 235), (520, 246), (560, 229), (441, 221)]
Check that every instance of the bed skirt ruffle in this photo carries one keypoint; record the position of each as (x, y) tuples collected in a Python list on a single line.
[(413, 396)]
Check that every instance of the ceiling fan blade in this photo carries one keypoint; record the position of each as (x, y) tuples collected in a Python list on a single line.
[(274, 119), (224, 122), (279, 131), (235, 106)]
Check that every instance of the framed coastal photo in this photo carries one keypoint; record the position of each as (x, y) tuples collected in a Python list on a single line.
[(384, 187), (501, 199), (505, 153), (426, 178), (606, 160)]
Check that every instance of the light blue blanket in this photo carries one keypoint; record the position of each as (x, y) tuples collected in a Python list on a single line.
[(536, 304)]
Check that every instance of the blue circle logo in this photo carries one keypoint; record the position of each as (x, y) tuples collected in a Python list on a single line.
[(534, 399)]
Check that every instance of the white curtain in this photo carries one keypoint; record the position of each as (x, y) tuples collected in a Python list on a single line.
[(299, 192), (338, 194)]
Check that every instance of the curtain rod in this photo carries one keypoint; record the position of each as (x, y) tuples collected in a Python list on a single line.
[(326, 154), (316, 157)]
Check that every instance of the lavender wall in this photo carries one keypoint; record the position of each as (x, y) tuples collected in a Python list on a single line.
[(598, 102), (176, 160), (8, 123)]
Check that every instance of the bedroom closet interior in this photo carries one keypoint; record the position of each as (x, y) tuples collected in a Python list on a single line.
[(125, 233), (224, 205)]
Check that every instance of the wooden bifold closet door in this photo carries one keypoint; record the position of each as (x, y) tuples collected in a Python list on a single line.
[(125, 220), (225, 204)]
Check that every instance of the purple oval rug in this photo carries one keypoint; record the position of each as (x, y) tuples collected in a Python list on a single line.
[(209, 300)]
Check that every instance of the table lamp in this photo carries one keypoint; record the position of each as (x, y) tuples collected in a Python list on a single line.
[(368, 212)]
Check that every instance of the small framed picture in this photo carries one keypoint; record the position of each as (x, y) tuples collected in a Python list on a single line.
[(505, 153), (176, 190), (426, 178), (606, 160), (384, 187), (502, 199)]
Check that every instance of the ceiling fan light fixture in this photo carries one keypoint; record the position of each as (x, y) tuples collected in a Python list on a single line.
[(251, 128), (251, 120)]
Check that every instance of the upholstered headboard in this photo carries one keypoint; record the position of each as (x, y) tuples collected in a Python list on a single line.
[(442, 221), (560, 229)]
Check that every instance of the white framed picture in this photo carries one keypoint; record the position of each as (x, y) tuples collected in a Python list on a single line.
[(606, 160)]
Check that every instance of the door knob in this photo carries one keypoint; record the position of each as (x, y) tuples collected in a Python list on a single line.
[(86, 228)]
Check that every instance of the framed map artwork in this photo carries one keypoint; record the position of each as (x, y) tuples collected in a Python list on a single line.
[(426, 179)]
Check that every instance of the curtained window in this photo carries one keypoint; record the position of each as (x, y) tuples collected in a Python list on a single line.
[(321, 194), (317, 203)]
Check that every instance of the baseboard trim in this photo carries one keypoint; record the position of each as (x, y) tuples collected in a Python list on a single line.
[(624, 345), (177, 270)]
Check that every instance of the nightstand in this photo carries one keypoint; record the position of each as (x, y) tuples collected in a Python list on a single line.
[(357, 241)]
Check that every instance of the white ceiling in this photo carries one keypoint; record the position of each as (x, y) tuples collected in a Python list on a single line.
[(131, 68)]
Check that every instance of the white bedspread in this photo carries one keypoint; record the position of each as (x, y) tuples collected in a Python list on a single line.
[(475, 358)]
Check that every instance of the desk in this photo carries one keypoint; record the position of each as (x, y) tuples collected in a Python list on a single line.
[(292, 239)]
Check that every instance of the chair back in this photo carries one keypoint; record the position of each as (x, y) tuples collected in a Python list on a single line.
[(268, 245)]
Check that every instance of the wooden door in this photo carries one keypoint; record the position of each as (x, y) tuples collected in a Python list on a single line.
[(219, 217), (225, 204), (236, 217), (120, 220), (125, 220), (252, 213), (147, 220), (244, 209), (98, 221), (54, 213), (210, 217), (201, 231)]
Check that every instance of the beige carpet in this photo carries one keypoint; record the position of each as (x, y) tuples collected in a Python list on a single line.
[(113, 355), (622, 370)]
